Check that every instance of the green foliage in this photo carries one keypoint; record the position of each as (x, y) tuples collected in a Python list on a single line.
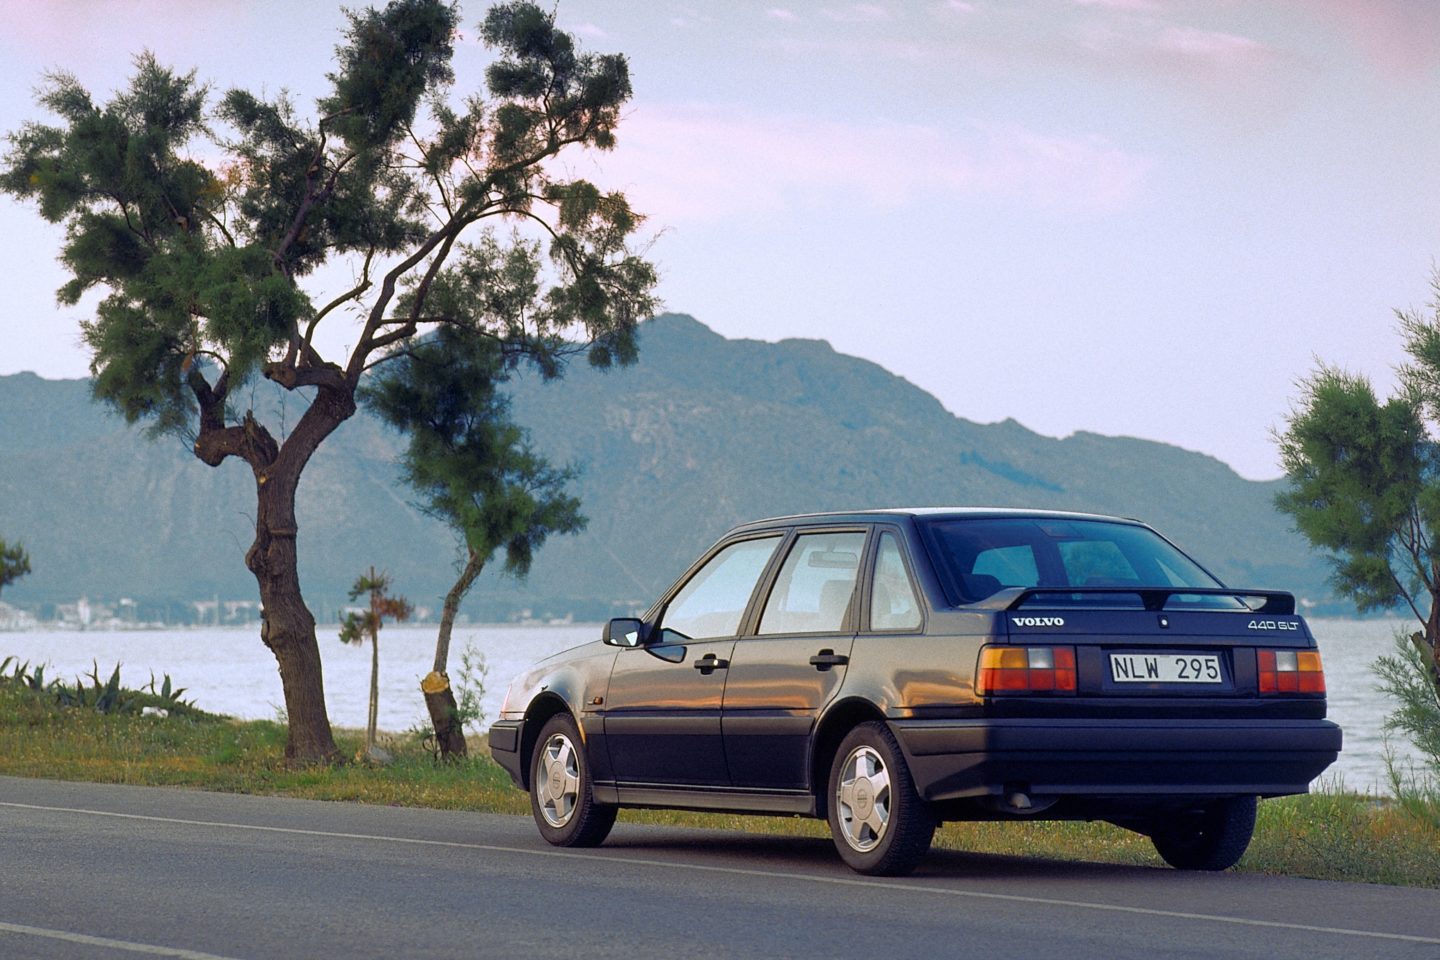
[(101, 696), (21, 675), (1416, 792), (471, 465), (1407, 677), (1356, 469), (198, 260), (469, 687), (393, 58), (14, 563), (1365, 486)]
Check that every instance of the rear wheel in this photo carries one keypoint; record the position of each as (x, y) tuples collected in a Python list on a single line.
[(560, 789), (1213, 839), (880, 824)]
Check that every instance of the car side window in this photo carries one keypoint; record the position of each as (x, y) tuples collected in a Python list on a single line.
[(815, 585), (893, 605), (712, 601)]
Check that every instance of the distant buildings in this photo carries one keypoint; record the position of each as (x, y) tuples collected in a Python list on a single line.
[(13, 618)]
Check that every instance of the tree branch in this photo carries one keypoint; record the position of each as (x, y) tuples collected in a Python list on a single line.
[(351, 294), (248, 440), (291, 377), (312, 196), (220, 225), (366, 344), (425, 159)]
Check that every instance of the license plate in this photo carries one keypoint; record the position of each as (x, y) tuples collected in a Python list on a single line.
[(1164, 668)]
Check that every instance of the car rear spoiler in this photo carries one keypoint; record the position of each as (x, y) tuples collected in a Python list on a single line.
[(1270, 601)]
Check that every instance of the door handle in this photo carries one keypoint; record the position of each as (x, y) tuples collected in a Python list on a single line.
[(826, 659), (710, 662)]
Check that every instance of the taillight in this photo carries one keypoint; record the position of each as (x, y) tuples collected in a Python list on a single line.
[(1011, 670), (1290, 671)]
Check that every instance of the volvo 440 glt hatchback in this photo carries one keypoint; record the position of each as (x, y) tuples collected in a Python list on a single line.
[(889, 670)]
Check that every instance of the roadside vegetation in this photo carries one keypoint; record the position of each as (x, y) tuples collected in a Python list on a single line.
[(1363, 488), (1332, 835)]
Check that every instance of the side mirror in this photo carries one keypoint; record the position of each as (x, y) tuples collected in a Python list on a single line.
[(624, 632)]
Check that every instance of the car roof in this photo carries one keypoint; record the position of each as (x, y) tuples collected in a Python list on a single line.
[(891, 513)]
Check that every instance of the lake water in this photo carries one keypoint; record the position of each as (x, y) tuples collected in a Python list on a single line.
[(229, 671)]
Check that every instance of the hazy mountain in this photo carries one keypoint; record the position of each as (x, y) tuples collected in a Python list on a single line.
[(702, 433)]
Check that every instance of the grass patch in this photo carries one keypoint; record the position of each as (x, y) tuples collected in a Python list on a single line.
[(1329, 835)]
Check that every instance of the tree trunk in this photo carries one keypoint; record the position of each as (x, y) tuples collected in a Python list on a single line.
[(440, 701), (439, 697), (287, 627), (374, 677), (474, 563)]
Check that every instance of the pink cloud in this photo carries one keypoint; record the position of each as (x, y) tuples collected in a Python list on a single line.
[(1401, 37), (1208, 44), (1210, 62), (1132, 6), (702, 163), (857, 13)]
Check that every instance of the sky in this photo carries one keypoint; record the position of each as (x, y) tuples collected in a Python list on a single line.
[(1147, 218)]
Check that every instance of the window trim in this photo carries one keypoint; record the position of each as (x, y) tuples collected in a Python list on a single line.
[(654, 617), (873, 563), (848, 626)]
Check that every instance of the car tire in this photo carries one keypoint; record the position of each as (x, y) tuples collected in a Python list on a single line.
[(880, 824), (561, 798), (1214, 839)]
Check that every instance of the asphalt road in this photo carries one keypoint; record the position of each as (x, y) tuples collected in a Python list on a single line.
[(98, 871)]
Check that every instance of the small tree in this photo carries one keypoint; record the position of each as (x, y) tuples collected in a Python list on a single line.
[(14, 563), (474, 469), (357, 626), (1365, 486), (198, 222)]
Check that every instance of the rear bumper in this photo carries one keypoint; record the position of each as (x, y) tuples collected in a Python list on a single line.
[(505, 742), (951, 759)]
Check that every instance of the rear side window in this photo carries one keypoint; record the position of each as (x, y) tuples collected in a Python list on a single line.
[(815, 585), (893, 605), (978, 557), (712, 601)]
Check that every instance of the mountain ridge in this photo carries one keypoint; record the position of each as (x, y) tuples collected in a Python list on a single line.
[(702, 433)]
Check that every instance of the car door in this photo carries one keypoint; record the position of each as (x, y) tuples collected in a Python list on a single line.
[(662, 710), (793, 664)]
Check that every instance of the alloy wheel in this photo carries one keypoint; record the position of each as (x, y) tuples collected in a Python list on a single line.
[(863, 799), (558, 785)]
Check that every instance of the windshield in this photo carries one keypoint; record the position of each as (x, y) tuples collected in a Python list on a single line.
[(978, 557)]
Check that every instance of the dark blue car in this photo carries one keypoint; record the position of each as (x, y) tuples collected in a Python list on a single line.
[(889, 670)]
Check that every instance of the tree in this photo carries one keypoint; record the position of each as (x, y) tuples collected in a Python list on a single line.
[(357, 626), (1365, 486), (201, 263), (14, 563), (475, 470)]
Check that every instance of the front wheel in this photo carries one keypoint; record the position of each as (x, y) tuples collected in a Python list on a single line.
[(1213, 839), (560, 789), (880, 824)]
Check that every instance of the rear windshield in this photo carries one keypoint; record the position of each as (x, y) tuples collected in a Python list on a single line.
[(979, 557)]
